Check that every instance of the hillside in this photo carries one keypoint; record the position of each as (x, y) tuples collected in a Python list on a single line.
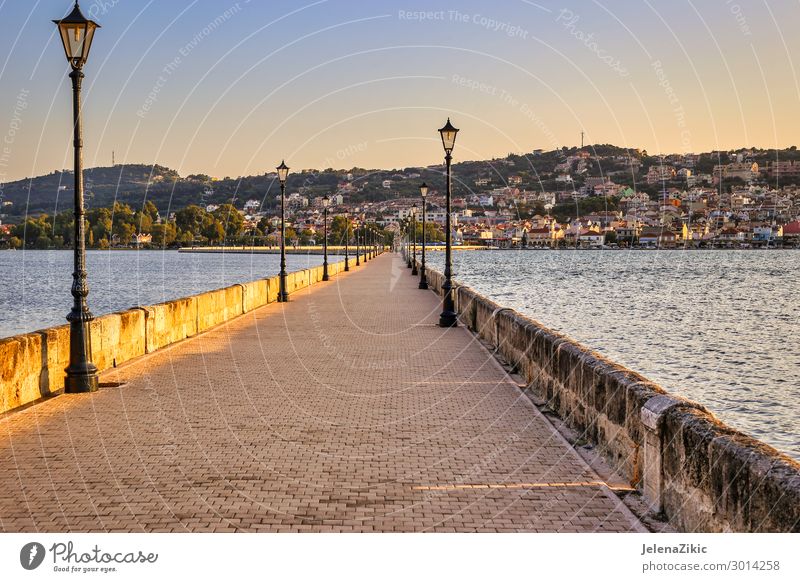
[(137, 183)]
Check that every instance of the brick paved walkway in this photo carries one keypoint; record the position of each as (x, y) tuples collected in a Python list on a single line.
[(346, 409)]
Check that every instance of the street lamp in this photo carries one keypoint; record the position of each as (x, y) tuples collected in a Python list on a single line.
[(346, 237), (408, 240), (364, 242), (77, 33), (325, 201), (448, 315), (283, 172), (414, 270), (358, 246), (423, 278)]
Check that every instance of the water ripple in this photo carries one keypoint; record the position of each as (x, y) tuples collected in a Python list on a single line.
[(719, 327)]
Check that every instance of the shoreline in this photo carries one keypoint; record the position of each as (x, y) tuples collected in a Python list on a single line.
[(339, 250)]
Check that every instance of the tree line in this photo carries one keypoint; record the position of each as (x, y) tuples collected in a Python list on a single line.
[(119, 225)]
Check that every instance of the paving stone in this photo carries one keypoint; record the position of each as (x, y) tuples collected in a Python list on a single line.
[(346, 409)]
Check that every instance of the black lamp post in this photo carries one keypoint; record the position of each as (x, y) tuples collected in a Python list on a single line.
[(364, 242), (423, 278), (346, 239), (358, 246), (325, 202), (414, 270), (283, 172), (448, 315), (408, 241), (77, 33)]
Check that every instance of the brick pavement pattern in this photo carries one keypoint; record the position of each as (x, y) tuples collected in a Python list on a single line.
[(346, 409)]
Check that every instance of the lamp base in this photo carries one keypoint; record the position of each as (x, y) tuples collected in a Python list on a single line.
[(448, 319), (81, 383)]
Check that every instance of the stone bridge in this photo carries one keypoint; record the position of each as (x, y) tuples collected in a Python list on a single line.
[(345, 409)]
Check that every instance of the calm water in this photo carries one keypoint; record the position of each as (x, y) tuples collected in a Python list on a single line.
[(36, 284), (719, 327)]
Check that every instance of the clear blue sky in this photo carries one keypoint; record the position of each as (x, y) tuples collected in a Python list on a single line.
[(241, 85)]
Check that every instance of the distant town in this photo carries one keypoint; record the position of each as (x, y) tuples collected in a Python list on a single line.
[(597, 196)]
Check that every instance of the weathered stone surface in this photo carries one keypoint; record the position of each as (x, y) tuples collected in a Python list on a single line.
[(169, 322), (20, 364), (216, 307), (255, 294), (116, 338), (55, 358)]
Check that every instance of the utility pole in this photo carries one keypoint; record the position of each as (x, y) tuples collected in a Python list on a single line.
[(581, 140)]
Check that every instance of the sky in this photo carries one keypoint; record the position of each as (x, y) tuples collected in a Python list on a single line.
[(229, 88)]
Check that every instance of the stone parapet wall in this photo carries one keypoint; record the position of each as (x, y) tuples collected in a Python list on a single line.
[(32, 365), (693, 470)]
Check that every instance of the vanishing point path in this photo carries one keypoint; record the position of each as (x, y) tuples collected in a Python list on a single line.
[(346, 409)]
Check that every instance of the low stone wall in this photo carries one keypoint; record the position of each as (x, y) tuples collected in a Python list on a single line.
[(32, 365), (695, 471)]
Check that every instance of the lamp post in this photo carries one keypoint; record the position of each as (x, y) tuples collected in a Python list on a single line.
[(283, 172), (358, 249), (448, 315), (77, 33), (408, 241), (346, 246), (423, 278), (364, 242), (414, 270), (325, 201)]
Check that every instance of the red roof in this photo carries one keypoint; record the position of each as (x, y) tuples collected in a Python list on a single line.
[(792, 227)]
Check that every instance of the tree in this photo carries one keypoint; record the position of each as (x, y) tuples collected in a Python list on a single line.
[(150, 210), (64, 226), (164, 234), (43, 242), (306, 236), (143, 222), (124, 222), (186, 238), (213, 230), (432, 233), (100, 223), (191, 219), (15, 242), (338, 226), (231, 220)]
